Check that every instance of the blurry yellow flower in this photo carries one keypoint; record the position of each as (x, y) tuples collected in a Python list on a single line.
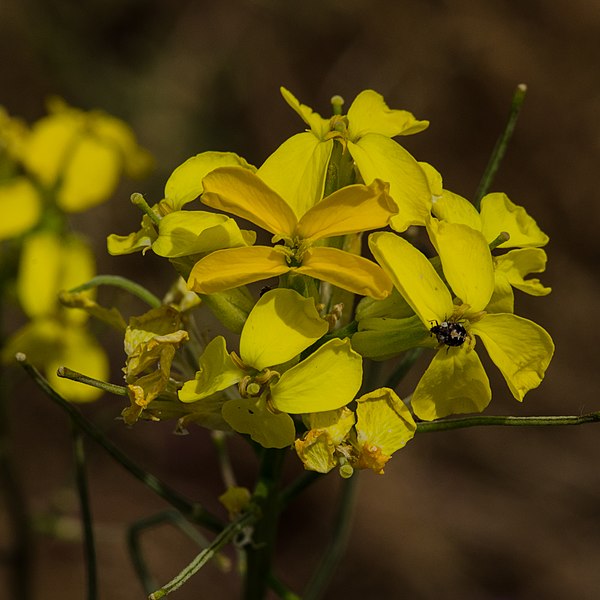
[(352, 209), (80, 156)]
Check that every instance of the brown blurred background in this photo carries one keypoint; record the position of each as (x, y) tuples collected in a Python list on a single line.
[(492, 513)]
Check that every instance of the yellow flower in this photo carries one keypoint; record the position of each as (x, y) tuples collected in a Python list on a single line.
[(455, 381), (352, 209), (297, 169), (181, 233), (382, 426), (271, 381)]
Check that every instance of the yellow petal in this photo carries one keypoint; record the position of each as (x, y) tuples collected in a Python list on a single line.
[(520, 348), (455, 382), (499, 214), (456, 209), (328, 429), (253, 417), (328, 379), (242, 193), (384, 425), (281, 325), (347, 271), (232, 267), (90, 176), (185, 183), (370, 114), (517, 264), (434, 179), (466, 261), (297, 170), (352, 209), (317, 124), (217, 372), (414, 277), (134, 242), (182, 233), (379, 157), (20, 207)]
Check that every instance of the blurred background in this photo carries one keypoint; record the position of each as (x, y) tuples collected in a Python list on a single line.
[(491, 513)]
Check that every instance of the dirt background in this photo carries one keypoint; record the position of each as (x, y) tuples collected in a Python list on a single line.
[(492, 513)]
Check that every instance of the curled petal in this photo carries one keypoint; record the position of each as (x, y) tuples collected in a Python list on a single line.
[(413, 275), (328, 379), (217, 372), (384, 425), (232, 267), (348, 271), (520, 348), (499, 214), (281, 325), (455, 382), (185, 183), (352, 209), (519, 263), (318, 125), (242, 193), (370, 114)]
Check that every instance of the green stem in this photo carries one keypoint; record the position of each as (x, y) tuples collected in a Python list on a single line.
[(260, 549), (192, 511), (341, 532), (220, 440), (224, 538), (494, 421), (111, 388), (135, 289), (501, 145), (86, 513), (172, 517), (138, 200)]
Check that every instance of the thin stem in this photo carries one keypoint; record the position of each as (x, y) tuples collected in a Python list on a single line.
[(86, 513), (224, 538), (260, 550), (494, 421), (135, 289), (172, 517), (193, 511), (111, 388), (282, 590), (501, 145), (337, 546), (138, 200)]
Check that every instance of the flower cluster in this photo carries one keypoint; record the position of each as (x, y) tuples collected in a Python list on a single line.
[(66, 162), (301, 372)]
